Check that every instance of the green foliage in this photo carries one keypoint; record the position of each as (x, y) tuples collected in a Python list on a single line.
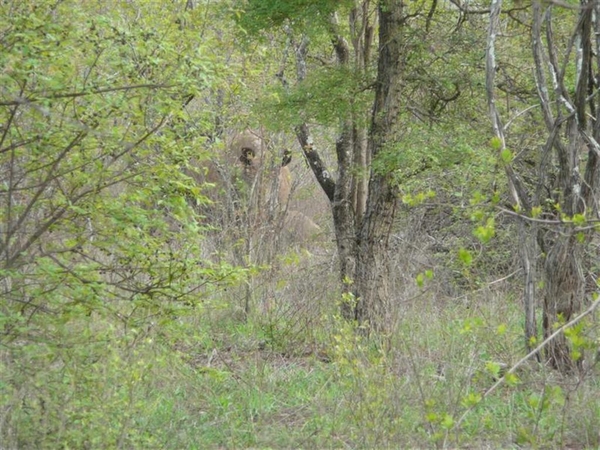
[(327, 95), (580, 340), (465, 257), (506, 156), (418, 198), (100, 244), (422, 276), (263, 15), (120, 325), (496, 143), (447, 153), (487, 231)]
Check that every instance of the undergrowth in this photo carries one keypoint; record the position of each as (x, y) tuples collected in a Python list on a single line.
[(216, 380)]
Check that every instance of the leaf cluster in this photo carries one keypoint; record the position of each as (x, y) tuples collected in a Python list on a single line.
[(327, 95), (262, 15), (100, 240)]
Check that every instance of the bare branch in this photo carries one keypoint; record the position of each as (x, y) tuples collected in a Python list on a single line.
[(317, 165), (516, 187), (530, 355), (539, 60), (12, 229), (482, 11), (34, 98)]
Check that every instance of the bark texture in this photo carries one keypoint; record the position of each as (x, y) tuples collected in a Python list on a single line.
[(572, 139), (563, 297), (565, 185), (362, 201), (519, 195), (372, 269)]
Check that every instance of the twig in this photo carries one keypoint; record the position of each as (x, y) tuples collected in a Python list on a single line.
[(531, 354), (58, 95)]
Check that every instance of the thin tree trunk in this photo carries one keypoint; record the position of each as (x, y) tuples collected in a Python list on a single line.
[(519, 195), (528, 253), (360, 180), (361, 31), (343, 220), (564, 291), (563, 268)]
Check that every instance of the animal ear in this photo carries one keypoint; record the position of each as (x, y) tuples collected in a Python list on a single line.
[(287, 157), (247, 156)]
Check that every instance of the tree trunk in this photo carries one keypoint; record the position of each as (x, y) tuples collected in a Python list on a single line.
[(363, 208), (344, 221), (528, 254), (372, 270), (568, 126), (360, 180), (361, 30), (565, 283), (564, 291), (519, 194)]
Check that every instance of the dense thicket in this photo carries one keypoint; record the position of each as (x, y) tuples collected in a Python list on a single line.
[(298, 224)]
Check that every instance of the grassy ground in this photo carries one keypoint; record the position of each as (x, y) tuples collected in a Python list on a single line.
[(271, 384), (292, 375)]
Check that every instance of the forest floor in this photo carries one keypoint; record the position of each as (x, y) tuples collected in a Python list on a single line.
[(292, 380)]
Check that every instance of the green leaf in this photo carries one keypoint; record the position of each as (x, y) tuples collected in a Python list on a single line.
[(486, 232), (465, 257), (447, 422), (579, 219), (512, 379), (420, 279), (496, 143), (472, 399), (507, 156), (493, 368)]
